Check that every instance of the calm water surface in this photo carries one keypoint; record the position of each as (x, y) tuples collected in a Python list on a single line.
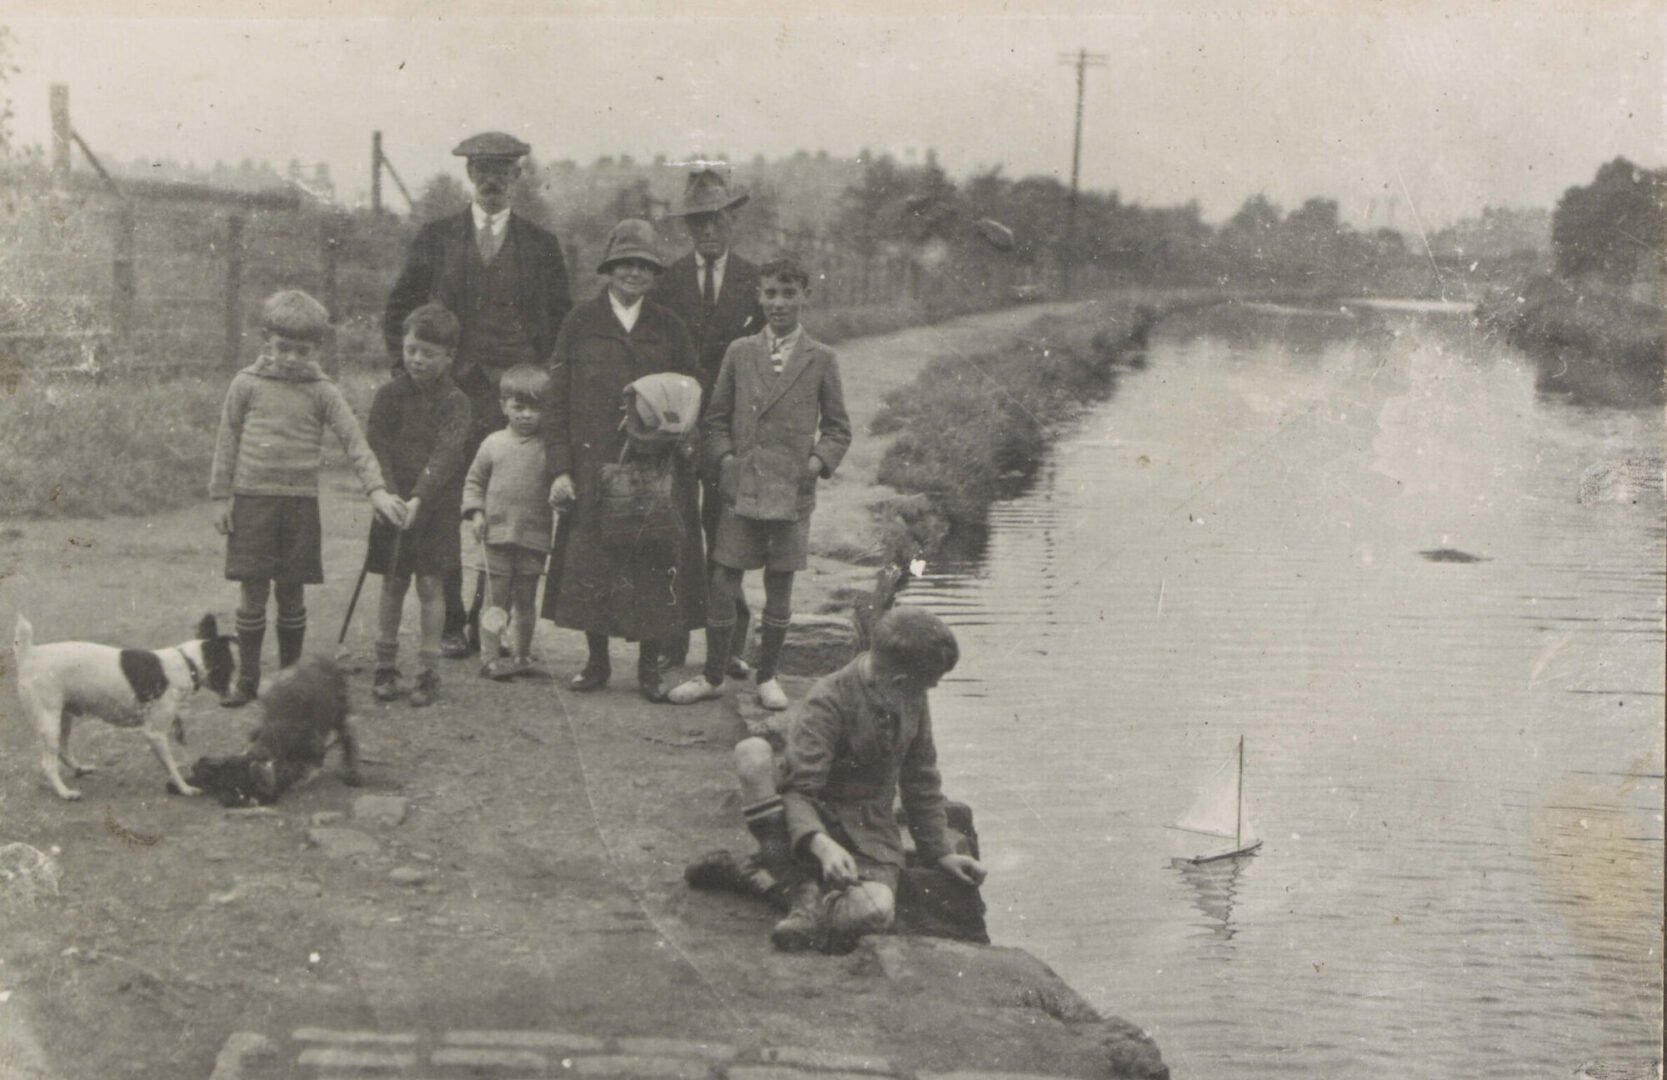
[(1456, 767)]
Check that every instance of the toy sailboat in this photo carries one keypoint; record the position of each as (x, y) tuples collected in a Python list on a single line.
[(1219, 812)]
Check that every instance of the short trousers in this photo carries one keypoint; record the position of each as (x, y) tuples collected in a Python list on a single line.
[(431, 547), (513, 560), (748, 544), (275, 538)]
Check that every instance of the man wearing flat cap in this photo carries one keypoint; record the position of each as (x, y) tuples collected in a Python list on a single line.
[(505, 280), (715, 292)]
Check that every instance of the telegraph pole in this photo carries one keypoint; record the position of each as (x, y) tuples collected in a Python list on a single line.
[(1083, 60)]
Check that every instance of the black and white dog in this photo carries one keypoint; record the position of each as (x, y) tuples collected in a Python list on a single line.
[(126, 687)]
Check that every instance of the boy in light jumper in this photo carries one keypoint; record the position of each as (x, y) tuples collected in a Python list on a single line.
[(506, 505), (264, 479)]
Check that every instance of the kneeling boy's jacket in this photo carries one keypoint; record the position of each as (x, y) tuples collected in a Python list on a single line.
[(849, 755)]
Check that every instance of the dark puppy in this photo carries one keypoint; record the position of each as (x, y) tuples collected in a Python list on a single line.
[(304, 712)]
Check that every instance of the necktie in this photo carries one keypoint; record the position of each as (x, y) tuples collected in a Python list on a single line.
[(708, 288), (490, 239)]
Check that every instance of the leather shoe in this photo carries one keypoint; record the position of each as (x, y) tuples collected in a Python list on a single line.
[(738, 668), (241, 695), (668, 661), (589, 679), (652, 689), (453, 645)]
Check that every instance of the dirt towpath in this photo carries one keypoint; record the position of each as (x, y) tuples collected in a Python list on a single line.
[(503, 896)]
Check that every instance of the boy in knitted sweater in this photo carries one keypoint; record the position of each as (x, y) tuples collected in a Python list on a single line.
[(505, 503), (265, 479)]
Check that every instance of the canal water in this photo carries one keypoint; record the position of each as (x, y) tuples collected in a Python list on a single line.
[(1355, 539)]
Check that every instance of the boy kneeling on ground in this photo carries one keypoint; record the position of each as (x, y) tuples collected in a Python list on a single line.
[(822, 813)]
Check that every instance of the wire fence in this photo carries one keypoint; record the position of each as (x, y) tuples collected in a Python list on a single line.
[(99, 282)]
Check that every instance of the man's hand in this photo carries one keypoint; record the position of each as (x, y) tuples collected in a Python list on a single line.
[(814, 467), (223, 517), (388, 507), (964, 868), (411, 507), (477, 526), (838, 867), (561, 491)]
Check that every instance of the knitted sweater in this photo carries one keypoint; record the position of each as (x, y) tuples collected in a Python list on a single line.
[(510, 482), (271, 439)]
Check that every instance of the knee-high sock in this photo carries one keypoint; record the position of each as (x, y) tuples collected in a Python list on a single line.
[(251, 634), (292, 635), (771, 636)]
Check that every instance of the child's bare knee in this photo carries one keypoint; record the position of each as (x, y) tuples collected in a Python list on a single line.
[(754, 760)]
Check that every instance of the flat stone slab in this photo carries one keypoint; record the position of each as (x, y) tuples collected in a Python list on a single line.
[(384, 810), (341, 843)]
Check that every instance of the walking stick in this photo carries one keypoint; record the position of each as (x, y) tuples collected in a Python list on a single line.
[(353, 602)]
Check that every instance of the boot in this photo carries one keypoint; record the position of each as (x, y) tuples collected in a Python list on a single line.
[(722, 870), (250, 637), (805, 926), (290, 640)]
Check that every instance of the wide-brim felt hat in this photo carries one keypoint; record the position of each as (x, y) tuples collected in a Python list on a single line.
[(492, 144), (632, 238), (708, 191)]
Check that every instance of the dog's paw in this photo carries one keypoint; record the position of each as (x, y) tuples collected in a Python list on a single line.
[(183, 788), (85, 770), (69, 795)]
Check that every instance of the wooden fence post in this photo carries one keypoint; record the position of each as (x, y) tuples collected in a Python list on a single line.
[(124, 285), (234, 290), (59, 104), (331, 242)]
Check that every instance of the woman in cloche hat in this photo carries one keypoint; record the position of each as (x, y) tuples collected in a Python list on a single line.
[(605, 344)]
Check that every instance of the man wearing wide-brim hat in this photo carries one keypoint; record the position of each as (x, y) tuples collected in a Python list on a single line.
[(715, 292), (505, 280)]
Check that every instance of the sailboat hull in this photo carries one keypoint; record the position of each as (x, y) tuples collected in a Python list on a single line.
[(1236, 853)]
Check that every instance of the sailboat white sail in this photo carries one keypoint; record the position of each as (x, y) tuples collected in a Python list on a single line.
[(1219, 812)]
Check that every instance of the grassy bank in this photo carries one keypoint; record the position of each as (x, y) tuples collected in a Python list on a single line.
[(1597, 345), (972, 429), (75, 448)]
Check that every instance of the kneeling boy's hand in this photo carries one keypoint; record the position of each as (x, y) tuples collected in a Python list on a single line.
[(963, 867), (838, 867)]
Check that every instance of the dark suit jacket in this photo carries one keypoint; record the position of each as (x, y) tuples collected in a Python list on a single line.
[(442, 258), (736, 315)]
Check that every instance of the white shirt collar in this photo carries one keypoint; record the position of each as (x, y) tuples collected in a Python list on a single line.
[(718, 264), (788, 342), (627, 316), (482, 218)]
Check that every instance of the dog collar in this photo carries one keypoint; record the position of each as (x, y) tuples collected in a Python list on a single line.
[(196, 672)]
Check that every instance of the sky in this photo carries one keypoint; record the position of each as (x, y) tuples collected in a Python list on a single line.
[(1440, 108)]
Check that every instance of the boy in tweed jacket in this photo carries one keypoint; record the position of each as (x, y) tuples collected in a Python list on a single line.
[(776, 425)]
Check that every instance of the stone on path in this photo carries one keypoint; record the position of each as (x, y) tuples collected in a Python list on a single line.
[(341, 843), (384, 810)]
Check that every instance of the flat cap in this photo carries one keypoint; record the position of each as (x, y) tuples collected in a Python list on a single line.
[(492, 144)]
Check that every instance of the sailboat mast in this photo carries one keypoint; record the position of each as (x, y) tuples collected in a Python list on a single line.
[(1238, 817)]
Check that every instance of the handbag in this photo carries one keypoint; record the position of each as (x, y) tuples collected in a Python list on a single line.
[(639, 510)]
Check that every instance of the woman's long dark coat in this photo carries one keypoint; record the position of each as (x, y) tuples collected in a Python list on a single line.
[(593, 586)]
